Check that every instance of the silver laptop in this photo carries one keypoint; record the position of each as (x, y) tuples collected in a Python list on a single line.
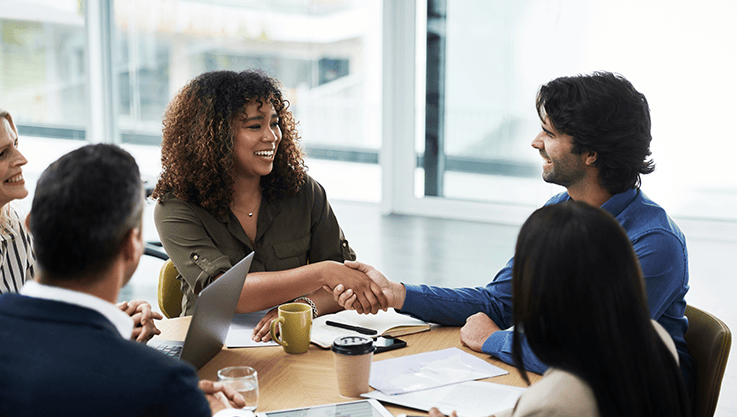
[(211, 319)]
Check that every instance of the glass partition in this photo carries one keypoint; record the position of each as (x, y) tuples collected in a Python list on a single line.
[(43, 68), (326, 54), (485, 60)]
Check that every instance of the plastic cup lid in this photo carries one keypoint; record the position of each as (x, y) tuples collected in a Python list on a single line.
[(353, 345)]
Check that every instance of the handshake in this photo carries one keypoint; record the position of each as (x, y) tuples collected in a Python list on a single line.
[(382, 293)]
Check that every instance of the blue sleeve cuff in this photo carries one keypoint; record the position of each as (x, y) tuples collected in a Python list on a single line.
[(496, 343), (410, 297), (499, 344)]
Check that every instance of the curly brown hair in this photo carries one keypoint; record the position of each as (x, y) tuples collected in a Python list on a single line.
[(198, 133)]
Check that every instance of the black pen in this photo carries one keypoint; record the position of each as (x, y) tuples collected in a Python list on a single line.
[(361, 330)]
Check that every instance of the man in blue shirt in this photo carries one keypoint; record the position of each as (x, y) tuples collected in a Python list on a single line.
[(595, 142)]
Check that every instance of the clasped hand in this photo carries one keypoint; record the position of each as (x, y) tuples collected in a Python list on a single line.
[(143, 319)]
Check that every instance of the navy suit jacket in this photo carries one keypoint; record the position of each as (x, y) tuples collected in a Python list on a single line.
[(61, 359)]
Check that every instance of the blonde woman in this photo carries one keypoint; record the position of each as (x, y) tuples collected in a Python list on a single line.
[(16, 252)]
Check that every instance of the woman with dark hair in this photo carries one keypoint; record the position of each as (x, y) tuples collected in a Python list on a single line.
[(233, 181), (606, 357)]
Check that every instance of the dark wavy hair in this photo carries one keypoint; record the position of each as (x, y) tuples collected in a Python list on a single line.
[(197, 147), (579, 299), (604, 114)]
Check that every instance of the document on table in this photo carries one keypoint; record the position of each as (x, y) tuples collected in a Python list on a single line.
[(468, 399), (429, 370), (241, 330)]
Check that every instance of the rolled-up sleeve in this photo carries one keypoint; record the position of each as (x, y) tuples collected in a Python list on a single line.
[(192, 249)]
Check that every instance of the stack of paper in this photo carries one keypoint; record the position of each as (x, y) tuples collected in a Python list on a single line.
[(443, 379), (386, 323)]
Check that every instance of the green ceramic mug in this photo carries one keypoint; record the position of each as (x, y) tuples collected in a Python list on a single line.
[(295, 324)]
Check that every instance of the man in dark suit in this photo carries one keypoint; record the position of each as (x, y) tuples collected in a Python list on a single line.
[(64, 345)]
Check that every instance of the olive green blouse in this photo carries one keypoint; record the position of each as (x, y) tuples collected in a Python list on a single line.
[(290, 232)]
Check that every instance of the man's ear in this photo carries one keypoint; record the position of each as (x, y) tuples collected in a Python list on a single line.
[(133, 244), (28, 221), (590, 157)]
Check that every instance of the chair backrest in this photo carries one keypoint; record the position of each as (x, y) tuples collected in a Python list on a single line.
[(170, 291), (708, 340)]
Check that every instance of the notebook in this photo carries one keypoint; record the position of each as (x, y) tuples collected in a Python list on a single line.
[(386, 323), (211, 319)]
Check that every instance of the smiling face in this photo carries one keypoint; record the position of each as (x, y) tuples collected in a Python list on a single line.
[(12, 185), (560, 165), (257, 137)]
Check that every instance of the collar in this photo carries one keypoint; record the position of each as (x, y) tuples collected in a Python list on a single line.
[(621, 201), (122, 322)]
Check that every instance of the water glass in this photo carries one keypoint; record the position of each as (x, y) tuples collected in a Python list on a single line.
[(243, 379)]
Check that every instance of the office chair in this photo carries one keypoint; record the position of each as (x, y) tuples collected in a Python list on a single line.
[(156, 250), (169, 291), (708, 340)]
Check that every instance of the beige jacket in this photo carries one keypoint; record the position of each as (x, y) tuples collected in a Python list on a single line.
[(560, 393)]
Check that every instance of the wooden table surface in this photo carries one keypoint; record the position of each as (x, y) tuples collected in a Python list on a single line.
[(297, 380)]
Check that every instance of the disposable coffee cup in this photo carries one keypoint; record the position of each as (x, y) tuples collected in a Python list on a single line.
[(353, 355)]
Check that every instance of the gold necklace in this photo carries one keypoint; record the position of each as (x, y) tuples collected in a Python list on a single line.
[(250, 214)]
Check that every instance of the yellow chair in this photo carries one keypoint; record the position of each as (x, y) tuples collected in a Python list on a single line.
[(169, 292), (708, 340)]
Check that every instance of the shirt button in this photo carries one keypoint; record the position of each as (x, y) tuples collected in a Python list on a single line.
[(345, 244), (195, 257)]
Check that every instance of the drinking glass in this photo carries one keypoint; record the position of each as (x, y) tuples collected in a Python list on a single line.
[(243, 379)]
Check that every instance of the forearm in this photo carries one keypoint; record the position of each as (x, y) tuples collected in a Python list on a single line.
[(264, 290), (324, 302), (451, 306)]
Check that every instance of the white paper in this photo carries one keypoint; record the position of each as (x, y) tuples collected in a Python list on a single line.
[(468, 399), (429, 370), (241, 331)]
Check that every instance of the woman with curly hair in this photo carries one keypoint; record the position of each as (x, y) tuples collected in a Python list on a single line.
[(233, 182)]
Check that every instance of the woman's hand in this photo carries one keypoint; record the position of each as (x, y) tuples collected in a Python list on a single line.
[(369, 296), (261, 333), (346, 297)]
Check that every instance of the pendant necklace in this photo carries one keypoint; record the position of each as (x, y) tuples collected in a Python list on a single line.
[(250, 214)]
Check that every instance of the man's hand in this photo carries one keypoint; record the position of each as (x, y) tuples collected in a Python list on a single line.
[(221, 396), (143, 319), (434, 412), (393, 291), (369, 296), (262, 331), (477, 329)]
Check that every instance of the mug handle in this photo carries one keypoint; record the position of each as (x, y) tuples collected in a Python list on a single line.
[(272, 330)]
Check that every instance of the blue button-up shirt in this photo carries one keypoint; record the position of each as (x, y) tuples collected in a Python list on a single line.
[(658, 242)]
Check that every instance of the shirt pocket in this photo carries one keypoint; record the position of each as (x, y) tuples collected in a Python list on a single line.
[(291, 254)]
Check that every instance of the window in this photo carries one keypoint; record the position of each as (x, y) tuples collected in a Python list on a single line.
[(43, 68), (482, 61)]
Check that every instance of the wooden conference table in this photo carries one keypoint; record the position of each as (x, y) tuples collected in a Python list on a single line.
[(298, 380)]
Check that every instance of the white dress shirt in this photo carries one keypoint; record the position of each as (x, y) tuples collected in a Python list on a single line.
[(110, 311)]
